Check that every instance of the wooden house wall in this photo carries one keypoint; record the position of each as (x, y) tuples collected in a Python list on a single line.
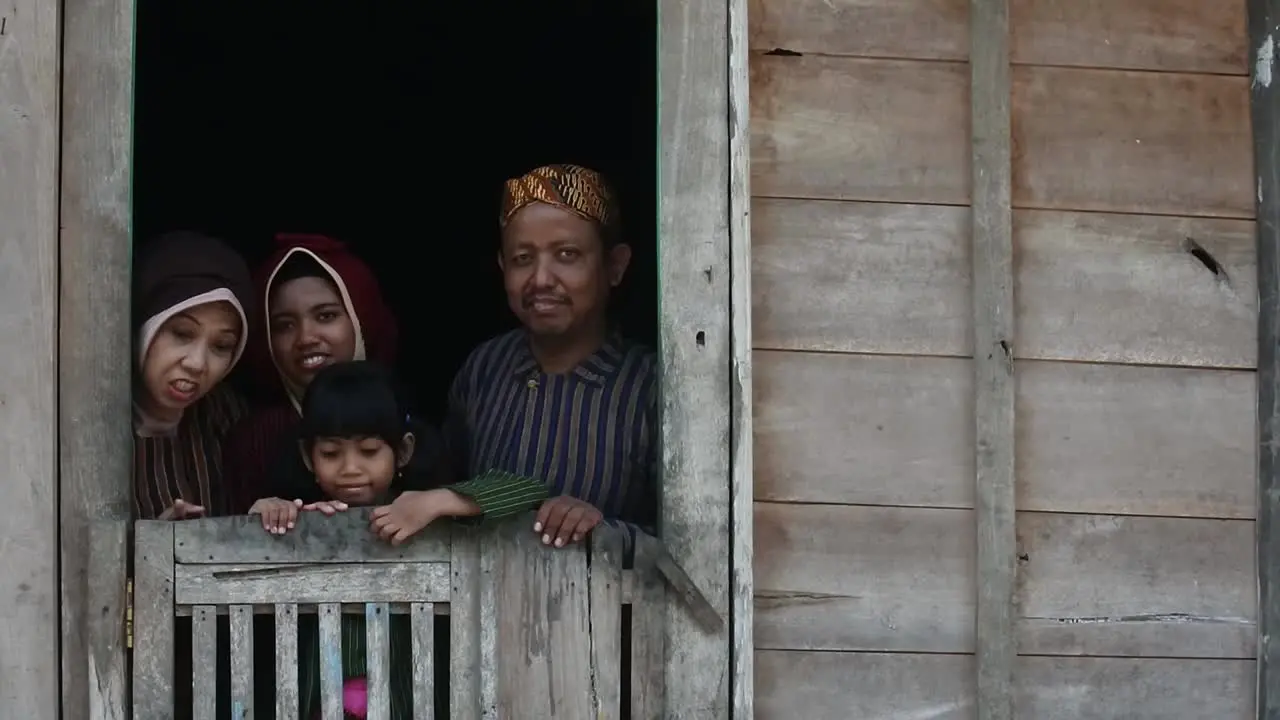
[(1135, 352)]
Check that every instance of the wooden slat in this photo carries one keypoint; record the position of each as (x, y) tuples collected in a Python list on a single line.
[(204, 660), (902, 425), (889, 278), (605, 621), (241, 662), (837, 686), (286, 660), (320, 583), (864, 429), (29, 125), (343, 538), (107, 662), (95, 359), (1264, 103), (1169, 35), (153, 632), (1132, 142), (377, 626), (864, 277), (422, 616), (542, 616), (331, 662), (1136, 586), (924, 29), (863, 578), (648, 642), (1136, 440), (695, 339), (879, 686), (901, 124), (464, 625)]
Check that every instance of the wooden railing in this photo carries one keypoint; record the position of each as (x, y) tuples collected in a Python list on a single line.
[(534, 632)]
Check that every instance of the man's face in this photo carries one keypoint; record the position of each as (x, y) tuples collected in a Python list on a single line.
[(556, 270)]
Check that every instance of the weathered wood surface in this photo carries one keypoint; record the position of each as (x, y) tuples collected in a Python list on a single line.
[(153, 626), (991, 235), (902, 124), (1265, 108), (106, 662), (884, 430), (1109, 141), (895, 279), (94, 358), (29, 122), (1167, 35), (1091, 140), (343, 538), (837, 686), (696, 342), (1087, 584)]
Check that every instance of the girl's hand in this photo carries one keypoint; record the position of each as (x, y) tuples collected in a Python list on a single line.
[(278, 515), (182, 510), (408, 514), (327, 507)]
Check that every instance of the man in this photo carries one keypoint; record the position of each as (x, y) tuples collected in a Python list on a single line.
[(564, 399)]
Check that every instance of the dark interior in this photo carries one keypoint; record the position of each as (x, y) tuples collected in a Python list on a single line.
[(392, 126)]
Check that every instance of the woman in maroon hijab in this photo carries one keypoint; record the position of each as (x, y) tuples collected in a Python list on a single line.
[(321, 305)]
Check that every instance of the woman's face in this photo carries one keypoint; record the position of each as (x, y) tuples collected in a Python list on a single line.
[(310, 328), (191, 353)]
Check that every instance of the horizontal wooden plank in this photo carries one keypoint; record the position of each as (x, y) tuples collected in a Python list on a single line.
[(891, 278), (1136, 440), (854, 129), (863, 429), (1136, 289), (1171, 35), (890, 430), (1131, 142), (918, 29), (263, 584), (864, 578), (864, 277), (869, 686), (902, 579), (1136, 586), (840, 685), (343, 538)]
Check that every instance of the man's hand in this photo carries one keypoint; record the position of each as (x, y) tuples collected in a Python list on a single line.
[(182, 510), (563, 520), (278, 514), (328, 508), (408, 514)]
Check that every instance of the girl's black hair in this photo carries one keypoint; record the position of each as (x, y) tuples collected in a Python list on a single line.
[(354, 399)]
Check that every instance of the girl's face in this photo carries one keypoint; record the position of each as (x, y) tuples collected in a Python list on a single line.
[(310, 328), (191, 353), (357, 471)]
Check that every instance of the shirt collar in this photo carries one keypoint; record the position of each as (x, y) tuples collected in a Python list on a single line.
[(598, 367)]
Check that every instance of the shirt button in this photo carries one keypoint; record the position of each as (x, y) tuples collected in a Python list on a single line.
[(533, 384)]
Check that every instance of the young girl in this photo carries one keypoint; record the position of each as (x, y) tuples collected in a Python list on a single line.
[(357, 446)]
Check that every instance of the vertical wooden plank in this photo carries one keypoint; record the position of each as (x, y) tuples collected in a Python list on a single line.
[(28, 370), (422, 620), (695, 338), (1264, 26), (204, 662), (107, 668), (331, 661), (153, 636), (648, 640), (241, 662), (464, 625), (742, 481), (377, 629), (94, 362), (605, 606), (992, 229), (286, 661)]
